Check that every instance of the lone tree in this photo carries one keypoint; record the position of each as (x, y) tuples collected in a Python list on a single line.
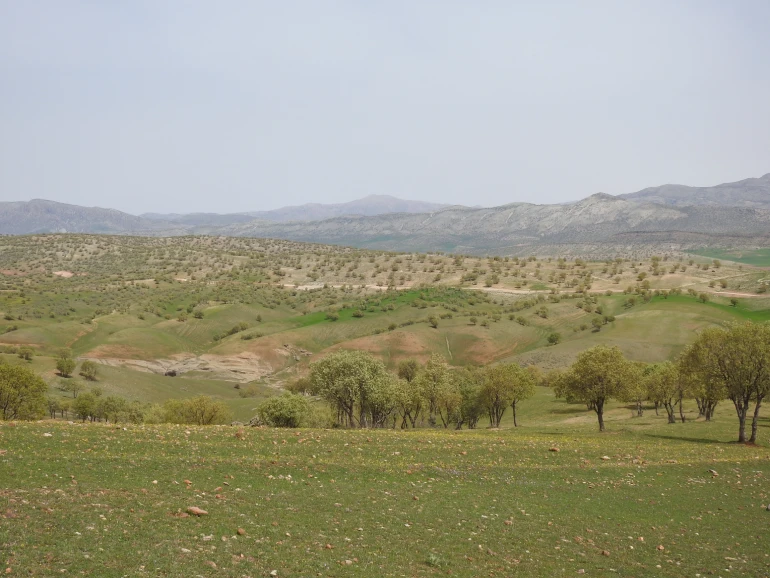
[(22, 393), (738, 359), (598, 375), (65, 365), (88, 370)]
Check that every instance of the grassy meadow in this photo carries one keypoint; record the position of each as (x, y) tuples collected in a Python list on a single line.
[(639, 500)]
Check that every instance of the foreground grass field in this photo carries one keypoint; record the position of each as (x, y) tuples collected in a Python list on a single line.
[(639, 500)]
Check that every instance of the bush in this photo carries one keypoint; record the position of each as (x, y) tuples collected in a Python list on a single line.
[(554, 338), (200, 410), (26, 353), (287, 410)]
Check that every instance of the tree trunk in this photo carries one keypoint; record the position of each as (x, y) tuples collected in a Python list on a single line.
[(755, 422), (681, 409), (670, 411), (742, 409), (656, 408), (599, 409), (515, 423)]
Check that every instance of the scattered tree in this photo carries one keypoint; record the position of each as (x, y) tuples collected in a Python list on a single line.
[(22, 393), (598, 375)]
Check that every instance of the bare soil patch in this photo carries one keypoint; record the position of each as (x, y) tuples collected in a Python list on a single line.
[(242, 368)]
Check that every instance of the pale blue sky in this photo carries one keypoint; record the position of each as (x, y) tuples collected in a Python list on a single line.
[(246, 105)]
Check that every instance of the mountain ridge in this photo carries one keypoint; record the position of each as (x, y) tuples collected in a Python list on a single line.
[(597, 219), (751, 192)]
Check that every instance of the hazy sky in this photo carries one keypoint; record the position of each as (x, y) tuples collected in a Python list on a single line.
[(244, 105)]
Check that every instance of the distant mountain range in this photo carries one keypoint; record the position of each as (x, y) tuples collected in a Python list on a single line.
[(41, 216), (730, 214), (368, 206), (747, 193)]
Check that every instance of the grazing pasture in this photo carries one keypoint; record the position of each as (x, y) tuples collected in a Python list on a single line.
[(551, 498)]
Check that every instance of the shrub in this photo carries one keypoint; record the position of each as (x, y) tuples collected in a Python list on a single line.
[(200, 410), (554, 338), (287, 410)]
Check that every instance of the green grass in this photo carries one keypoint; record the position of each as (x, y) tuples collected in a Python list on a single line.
[(756, 257), (417, 503)]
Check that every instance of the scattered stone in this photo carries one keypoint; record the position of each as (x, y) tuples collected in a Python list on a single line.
[(605, 552), (196, 511), (554, 450), (660, 547), (47, 435), (713, 473), (170, 373), (241, 532), (605, 458)]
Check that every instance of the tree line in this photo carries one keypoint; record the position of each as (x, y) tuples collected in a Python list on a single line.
[(730, 363), (362, 393), (723, 363)]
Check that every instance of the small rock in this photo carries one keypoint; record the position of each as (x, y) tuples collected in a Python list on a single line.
[(196, 511), (660, 547), (713, 473), (274, 573), (241, 532), (605, 458), (554, 450), (605, 552), (47, 435)]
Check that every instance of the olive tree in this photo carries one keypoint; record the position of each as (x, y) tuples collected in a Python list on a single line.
[(22, 393), (637, 390), (504, 385), (471, 403), (88, 369), (667, 387), (598, 375), (432, 382), (738, 359), (65, 366), (350, 380)]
